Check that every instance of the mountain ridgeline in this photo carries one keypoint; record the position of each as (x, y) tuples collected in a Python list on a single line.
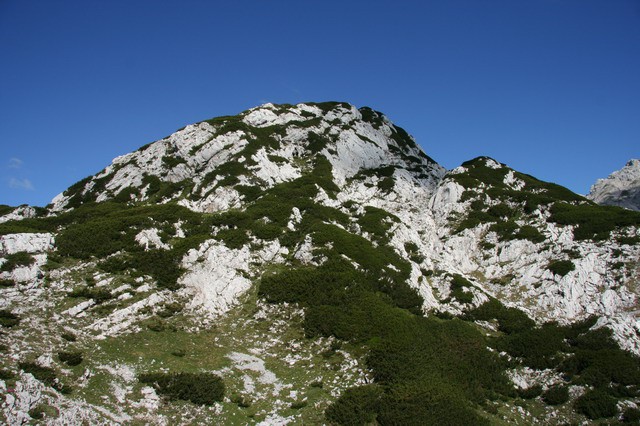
[(310, 264)]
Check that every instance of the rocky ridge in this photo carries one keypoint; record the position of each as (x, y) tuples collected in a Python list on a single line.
[(621, 188), (217, 233)]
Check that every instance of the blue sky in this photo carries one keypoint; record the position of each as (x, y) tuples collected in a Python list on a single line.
[(550, 87)]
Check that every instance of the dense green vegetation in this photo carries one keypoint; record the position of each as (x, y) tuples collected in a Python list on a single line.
[(593, 221), (71, 358), (5, 209), (12, 261), (596, 404), (8, 319), (372, 117), (356, 406), (458, 286), (171, 161), (414, 359), (377, 222), (99, 295), (584, 356), (4, 283), (556, 395), (510, 320), (198, 388), (561, 267)]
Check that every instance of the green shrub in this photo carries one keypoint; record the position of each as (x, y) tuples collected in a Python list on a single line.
[(356, 406), (628, 240), (426, 404), (15, 260), (8, 319), (528, 232), (428, 350), (510, 320), (155, 324), (631, 415), (162, 265), (478, 172), (386, 184), (233, 238), (45, 374), (458, 284), (404, 347), (241, 401), (596, 404), (250, 193), (411, 247), (372, 117), (36, 413), (70, 358), (99, 295), (556, 395), (7, 283), (5, 209), (530, 392), (316, 142), (198, 388), (180, 353), (561, 267), (298, 405), (506, 230), (501, 211), (376, 221), (277, 159), (171, 162), (538, 347), (69, 337), (170, 309), (6, 374)]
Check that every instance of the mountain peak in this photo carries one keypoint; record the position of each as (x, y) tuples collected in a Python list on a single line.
[(620, 188), (203, 164)]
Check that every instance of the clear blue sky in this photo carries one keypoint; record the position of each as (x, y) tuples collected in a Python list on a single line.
[(550, 87)]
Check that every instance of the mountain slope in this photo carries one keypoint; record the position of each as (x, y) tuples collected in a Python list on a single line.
[(310, 264), (621, 188)]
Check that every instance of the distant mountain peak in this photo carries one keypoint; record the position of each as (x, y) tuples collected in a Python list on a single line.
[(621, 188)]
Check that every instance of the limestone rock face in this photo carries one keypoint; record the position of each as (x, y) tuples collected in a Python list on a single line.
[(621, 188)]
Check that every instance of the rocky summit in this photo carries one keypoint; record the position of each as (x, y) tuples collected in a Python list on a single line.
[(310, 264), (621, 188)]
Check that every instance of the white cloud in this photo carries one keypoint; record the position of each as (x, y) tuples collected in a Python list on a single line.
[(15, 163), (21, 184)]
